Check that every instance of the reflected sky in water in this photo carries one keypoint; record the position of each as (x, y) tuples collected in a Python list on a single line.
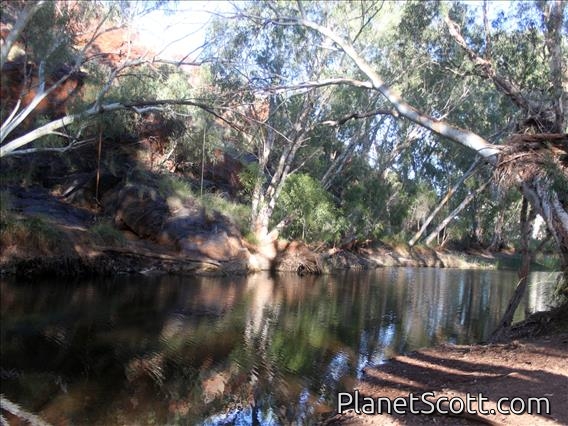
[(188, 350)]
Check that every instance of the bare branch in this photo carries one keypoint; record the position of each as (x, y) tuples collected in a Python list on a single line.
[(30, 9), (14, 120), (359, 115), (320, 83), (12, 146), (20, 413), (486, 70), (461, 136)]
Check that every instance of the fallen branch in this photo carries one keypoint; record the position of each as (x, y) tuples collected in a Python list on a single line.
[(19, 412)]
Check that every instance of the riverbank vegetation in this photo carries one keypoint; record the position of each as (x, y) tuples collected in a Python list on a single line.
[(303, 136), (343, 125)]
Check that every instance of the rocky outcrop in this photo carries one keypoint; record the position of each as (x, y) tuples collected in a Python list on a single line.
[(141, 210), (182, 225), (175, 235), (211, 235)]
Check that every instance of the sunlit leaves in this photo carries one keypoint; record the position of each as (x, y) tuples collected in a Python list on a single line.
[(314, 216)]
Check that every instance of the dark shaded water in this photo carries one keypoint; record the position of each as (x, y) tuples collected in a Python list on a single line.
[(185, 350)]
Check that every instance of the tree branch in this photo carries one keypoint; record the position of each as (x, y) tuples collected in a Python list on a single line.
[(29, 11), (456, 211), (486, 70), (138, 107), (15, 118), (359, 115), (321, 83), (461, 136)]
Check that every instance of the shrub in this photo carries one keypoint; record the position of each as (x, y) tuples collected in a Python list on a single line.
[(238, 213), (314, 216)]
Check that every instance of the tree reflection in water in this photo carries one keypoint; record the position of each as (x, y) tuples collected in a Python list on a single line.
[(208, 350)]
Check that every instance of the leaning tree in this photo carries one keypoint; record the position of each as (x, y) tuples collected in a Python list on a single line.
[(533, 157)]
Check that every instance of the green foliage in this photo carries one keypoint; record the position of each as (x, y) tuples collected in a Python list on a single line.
[(236, 212), (363, 206), (421, 204), (170, 185), (5, 202), (249, 176), (32, 233), (548, 261), (395, 172), (251, 238), (106, 234), (314, 216)]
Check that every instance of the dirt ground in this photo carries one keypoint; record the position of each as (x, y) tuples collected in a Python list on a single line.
[(524, 368)]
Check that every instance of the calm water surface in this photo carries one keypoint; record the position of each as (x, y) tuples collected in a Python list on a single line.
[(186, 350)]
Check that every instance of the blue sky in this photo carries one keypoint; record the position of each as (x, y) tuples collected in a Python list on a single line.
[(181, 30)]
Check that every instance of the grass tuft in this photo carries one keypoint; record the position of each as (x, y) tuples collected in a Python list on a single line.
[(33, 233), (105, 233)]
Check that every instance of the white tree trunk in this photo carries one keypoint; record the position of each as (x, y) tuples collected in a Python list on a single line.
[(461, 136), (442, 203), (468, 199)]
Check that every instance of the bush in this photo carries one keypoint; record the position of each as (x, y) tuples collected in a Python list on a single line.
[(171, 185), (314, 216), (238, 213)]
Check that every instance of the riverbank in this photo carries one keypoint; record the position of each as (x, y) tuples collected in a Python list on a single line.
[(532, 366), (61, 240), (48, 248), (43, 234)]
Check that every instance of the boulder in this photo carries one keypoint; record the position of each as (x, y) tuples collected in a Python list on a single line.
[(211, 235), (142, 211)]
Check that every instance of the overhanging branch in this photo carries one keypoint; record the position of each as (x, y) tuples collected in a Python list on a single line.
[(137, 107), (485, 69), (359, 115), (461, 136)]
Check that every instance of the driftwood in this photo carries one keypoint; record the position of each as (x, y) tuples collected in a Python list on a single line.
[(17, 411), (298, 258), (529, 156)]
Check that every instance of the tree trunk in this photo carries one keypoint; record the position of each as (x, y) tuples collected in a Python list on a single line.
[(526, 228), (260, 223), (455, 212), (264, 199), (497, 240), (442, 203), (538, 190)]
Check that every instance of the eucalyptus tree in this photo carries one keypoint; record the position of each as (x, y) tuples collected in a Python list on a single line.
[(286, 128), (51, 44), (516, 121)]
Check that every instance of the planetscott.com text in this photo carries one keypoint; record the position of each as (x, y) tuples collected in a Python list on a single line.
[(428, 403)]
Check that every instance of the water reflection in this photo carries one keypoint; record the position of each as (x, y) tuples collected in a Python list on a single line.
[(185, 350)]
